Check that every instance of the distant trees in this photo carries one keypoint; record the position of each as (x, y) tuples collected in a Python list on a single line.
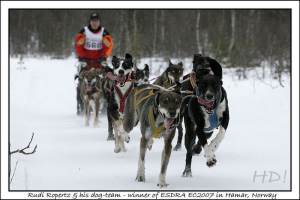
[(234, 37)]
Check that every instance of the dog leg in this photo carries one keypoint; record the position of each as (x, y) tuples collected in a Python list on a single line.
[(86, 110), (148, 136), (166, 153), (140, 177), (122, 145), (197, 148), (96, 116), (189, 141), (110, 127), (125, 138), (179, 139), (214, 144), (209, 155), (119, 142), (208, 150), (79, 100)]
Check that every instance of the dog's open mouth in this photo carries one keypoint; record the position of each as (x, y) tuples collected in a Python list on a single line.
[(121, 80), (169, 123), (207, 104)]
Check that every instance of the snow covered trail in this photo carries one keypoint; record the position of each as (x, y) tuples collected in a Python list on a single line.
[(71, 156)]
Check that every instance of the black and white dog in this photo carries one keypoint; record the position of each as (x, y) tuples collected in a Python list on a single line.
[(202, 65), (118, 91), (204, 112), (141, 76)]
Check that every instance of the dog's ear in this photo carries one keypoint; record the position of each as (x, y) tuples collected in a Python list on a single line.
[(180, 64), (170, 63), (135, 68), (115, 61), (146, 68), (156, 99), (128, 57)]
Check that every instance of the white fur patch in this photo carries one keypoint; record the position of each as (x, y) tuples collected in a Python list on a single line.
[(164, 111), (208, 152), (206, 118), (214, 144), (171, 78), (221, 108)]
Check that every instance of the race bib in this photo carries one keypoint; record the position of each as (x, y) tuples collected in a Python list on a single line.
[(93, 41)]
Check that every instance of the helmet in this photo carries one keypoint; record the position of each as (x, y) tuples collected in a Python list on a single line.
[(94, 16)]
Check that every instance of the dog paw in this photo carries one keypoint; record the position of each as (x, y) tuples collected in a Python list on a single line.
[(117, 150), (177, 147), (211, 162), (187, 172), (149, 144), (140, 178), (110, 137)]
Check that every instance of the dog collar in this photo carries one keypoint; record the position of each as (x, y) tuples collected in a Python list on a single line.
[(209, 105)]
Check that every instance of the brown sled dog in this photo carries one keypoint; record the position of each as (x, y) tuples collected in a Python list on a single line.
[(90, 93)]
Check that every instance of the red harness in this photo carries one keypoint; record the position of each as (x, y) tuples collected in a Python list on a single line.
[(122, 97)]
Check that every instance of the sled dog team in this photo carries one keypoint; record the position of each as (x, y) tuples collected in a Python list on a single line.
[(199, 100)]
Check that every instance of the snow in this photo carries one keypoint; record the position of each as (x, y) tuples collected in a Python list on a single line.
[(71, 156)]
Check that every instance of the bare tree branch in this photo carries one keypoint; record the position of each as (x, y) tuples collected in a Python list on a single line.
[(22, 151), (12, 177)]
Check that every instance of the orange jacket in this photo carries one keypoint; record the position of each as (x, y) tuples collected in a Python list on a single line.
[(105, 51)]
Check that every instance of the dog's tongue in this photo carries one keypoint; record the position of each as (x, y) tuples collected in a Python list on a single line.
[(168, 123), (121, 79), (206, 103)]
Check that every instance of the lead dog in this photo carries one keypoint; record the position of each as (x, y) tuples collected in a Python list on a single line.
[(204, 112), (158, 112), (116, 94), (202, 65)]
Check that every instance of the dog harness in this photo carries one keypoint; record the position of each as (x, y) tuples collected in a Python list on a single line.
[(137, 92), (156, 130), (213, 121), (122, 97)]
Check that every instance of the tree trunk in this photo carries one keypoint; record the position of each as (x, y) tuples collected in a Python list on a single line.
[(155, 33), (232, 39), (198, 32)]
